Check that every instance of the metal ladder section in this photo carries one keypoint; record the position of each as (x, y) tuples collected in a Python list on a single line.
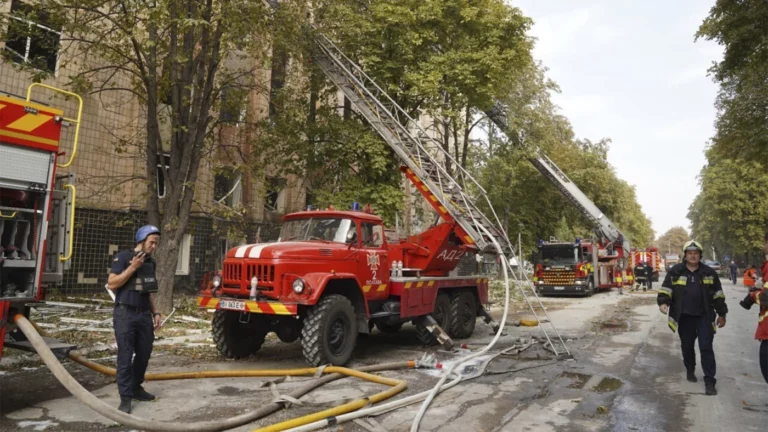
[(418, 151), (556, 176), (425, 157)]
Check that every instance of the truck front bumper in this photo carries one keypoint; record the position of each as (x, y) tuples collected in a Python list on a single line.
[(562, 289), (249, 306)]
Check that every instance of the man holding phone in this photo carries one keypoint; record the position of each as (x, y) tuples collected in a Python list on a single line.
[(132, 278)]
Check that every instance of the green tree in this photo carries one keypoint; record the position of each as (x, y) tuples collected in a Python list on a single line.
[(673, 240), (176, 57), (730, 213), (742, 102)]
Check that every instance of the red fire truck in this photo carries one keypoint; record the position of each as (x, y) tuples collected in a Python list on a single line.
[(332, 275), (36, 208), (573, 268), (649, 256)]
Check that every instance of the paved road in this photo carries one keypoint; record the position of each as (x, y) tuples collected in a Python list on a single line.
[(627, 375)]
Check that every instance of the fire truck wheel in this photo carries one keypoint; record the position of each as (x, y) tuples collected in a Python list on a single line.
[(389, 328), (234, 339), (330, 332), (463, 315), (441, 314)]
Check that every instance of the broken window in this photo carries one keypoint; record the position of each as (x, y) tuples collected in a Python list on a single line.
[(163, 164), (32, 37)]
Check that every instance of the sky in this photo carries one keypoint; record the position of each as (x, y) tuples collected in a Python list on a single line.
[(629, 70)]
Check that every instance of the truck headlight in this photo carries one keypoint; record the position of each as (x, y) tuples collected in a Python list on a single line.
[(216, 281), (579, 282), (298, 286)]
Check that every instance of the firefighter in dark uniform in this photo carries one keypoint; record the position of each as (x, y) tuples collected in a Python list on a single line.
[(648, 276), (133, 280), (640, 275), (693, 299)]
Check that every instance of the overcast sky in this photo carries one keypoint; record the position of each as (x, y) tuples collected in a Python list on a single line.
[(630, 70)]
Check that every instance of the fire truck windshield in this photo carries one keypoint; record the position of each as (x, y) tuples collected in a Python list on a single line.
[(559, 256), (336, 230)]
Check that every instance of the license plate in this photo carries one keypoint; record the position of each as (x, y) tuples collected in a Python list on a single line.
[(232, 304), (559, 288)]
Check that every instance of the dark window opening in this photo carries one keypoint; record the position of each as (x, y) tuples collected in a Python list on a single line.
[(163, 165), (279, 68), (33, 37)]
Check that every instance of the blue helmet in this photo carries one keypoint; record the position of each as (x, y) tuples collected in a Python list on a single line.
[(145, 232)]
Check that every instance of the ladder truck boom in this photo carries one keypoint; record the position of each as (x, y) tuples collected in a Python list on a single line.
[(447, 192), (457, 197), (604, 227)]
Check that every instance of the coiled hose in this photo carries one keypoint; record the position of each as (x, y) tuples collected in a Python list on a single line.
[(84, 396)]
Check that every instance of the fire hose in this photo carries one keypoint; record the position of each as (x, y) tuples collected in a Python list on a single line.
[(333, 373)]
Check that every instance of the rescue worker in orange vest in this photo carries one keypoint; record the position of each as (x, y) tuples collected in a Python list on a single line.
[(759, 296), (750, 276)]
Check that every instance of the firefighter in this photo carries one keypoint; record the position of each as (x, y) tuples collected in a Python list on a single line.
[(640, 275), (648, 276), (759, 296), (690, 296), (132, 278), (750, 277)]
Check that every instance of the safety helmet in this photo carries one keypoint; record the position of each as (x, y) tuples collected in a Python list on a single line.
[(693, 245), (146, 231)]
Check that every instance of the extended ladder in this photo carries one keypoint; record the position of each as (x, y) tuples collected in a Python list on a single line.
[(604, 226), (424, 158)]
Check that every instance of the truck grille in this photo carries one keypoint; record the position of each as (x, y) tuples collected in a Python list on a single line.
[(264, 272), (238, 276), (559, 277)]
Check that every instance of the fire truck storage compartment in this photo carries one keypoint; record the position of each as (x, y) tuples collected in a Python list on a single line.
[(20, 229), (24, 174)]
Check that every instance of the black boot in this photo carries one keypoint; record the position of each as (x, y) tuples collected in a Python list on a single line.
[(125, 404), (142, 395), (692, 377), (710, 389)]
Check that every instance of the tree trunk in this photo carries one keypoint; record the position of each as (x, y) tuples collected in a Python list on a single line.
[(167, 254)]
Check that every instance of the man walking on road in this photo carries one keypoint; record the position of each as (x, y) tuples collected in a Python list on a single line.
[(734, 272), (690, 296)]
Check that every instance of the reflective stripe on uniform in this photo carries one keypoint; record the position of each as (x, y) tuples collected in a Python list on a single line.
[(666, 291), (719, 294), (760, 318), (672, 324), (708, 280), (682, 282)]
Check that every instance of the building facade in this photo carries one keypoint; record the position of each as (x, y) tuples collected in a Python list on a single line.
[(110, 171)]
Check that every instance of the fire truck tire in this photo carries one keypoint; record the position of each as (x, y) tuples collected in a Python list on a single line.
[(463, 315), (441, 314), (234, 339), (330, 332), (389, 328)]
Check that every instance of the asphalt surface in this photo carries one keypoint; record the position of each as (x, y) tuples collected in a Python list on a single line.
[(626, 375)]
